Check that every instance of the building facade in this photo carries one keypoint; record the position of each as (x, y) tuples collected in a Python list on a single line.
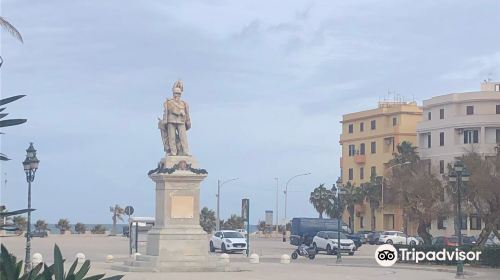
[(452, 125), (369, 139)]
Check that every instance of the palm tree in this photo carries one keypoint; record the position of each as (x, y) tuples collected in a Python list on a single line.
[(406, 153), (11, 29), (353, 196), (41, 225), (117, 214), (320, 199), (373, 193), (63, 225), (207, 219), (20, 222)]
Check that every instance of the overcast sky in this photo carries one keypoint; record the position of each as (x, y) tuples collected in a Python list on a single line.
[(267, 83)]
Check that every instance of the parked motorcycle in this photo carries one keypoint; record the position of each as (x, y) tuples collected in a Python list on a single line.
[(304, 251)]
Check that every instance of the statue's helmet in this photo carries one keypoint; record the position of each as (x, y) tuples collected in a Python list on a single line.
[(178, 87)]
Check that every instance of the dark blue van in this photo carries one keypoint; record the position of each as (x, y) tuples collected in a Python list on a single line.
[(306, 228)]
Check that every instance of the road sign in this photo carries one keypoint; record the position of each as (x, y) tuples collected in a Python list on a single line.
[(129, 210), (245, 203)]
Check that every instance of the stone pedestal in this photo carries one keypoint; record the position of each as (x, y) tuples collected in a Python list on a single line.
[(177, 242)]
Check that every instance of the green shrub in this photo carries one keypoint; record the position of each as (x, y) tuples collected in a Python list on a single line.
[(98, 229), (10, 269)]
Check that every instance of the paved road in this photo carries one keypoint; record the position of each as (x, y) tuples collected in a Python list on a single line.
[(360, 266)]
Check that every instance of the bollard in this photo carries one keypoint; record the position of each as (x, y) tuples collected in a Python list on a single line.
[(135, 255), (109, 258), (285, 259), (254, 258), (80, 257), (37, 258), (224, 258)]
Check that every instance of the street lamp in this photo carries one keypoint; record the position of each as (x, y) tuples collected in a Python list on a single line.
[(339, 190), (286, 200), (459, 174), (30, 165), (219, 185)]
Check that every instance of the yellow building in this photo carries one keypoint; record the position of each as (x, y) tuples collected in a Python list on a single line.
[(369, 139)]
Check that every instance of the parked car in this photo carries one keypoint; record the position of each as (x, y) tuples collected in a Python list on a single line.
[(38, 233), (228, 241), (373, 237), (304, 229), (328, 241), (469, 240), (358, 239), (446, 241), (365, 233), (397, 237)]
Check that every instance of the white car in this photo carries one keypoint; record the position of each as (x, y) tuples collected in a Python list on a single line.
[(328, 241), (397, 237), (228, 241)]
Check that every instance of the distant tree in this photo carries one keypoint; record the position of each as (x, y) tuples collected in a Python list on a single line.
[(41, 225), (63, 225), (80, 228), (320, 199), (482, 192), (234, 222), (372, 191), (261, 226), (207, 219), (98, 229), (20, 222), (117, 214), (351, 197), (416, 189)]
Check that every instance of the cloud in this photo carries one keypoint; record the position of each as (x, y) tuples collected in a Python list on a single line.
[(477, 68)]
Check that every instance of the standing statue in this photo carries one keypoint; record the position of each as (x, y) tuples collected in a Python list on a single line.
[(175, 123)]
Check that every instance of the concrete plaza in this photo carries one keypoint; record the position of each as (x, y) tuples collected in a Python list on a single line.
[(360, 266)]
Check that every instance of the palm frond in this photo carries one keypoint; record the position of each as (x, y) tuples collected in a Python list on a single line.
[(11, 29)]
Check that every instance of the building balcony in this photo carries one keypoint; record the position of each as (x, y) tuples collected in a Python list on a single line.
[(359, 159)]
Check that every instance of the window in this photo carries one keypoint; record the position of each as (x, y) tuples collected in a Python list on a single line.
[(441, 139), (361, 222), (441, 223), (352, 150), (373, 171), (464, 222), (498, 136), (441, 167), (497, 87), (373, 147), (498, 109), (441, 114), (394, 121), (471, 136), (351, 128), (361, 173), (475, 222), (429, 140), (470, 110), (362, 126), (362, 148), (351, 174), (429, 116), (373, 124)]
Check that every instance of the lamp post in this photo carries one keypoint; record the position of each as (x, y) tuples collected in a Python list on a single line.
[(30, 165), (277, 205), (339, 190), (219, 185), (458, 175), (286, 201)]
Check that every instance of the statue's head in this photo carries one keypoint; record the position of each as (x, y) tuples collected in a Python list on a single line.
[(178, 88)]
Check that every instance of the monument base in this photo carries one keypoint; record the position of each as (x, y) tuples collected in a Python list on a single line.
[(177, 242)]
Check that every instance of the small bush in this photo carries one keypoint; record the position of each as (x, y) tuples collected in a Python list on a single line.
[(98, 229), (80, 228)]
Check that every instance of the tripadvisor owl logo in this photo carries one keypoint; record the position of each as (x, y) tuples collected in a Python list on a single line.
[(386, 255)]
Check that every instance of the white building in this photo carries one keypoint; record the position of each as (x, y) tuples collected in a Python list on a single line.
[(453, 124)]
